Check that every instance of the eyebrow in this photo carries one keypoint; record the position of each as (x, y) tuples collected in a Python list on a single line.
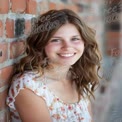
[(61, 37)]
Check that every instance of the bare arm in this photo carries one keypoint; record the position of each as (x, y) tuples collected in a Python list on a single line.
[(31, 107)]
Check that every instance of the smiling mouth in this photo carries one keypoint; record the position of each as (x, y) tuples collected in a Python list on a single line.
[(66, 55)]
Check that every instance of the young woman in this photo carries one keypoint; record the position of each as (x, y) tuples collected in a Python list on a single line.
[(55, 79)]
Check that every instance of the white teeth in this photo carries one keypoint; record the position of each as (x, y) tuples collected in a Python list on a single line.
[(66, 55)]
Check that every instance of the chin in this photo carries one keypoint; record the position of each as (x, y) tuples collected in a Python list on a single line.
[(68, 64)]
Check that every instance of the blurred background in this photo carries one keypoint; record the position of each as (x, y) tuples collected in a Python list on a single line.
[(105, 16)]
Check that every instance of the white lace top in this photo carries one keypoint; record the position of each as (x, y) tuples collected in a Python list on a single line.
[(59, 110)]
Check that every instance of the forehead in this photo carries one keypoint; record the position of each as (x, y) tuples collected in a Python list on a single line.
[(67, 29)]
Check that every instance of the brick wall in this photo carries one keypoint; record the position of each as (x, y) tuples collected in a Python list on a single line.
[(15, 25), (107, 103)]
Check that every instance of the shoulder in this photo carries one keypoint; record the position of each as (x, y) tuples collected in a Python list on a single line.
[(25, 97), (28, 80), (27, 75), (29, 107)]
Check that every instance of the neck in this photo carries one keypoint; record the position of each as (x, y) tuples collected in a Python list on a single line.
[(58, 73)]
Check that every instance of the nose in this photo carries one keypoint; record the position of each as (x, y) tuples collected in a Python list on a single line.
[(66, 44)]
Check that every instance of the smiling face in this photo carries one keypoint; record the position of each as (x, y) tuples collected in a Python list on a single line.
[(65, 47)]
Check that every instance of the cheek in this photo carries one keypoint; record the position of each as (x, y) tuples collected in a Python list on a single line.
[(80, 46), (49, 49)]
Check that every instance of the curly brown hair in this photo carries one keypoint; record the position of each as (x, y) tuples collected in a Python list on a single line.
[(85, 69)]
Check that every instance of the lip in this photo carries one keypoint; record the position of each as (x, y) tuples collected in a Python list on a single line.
[(66, 55)]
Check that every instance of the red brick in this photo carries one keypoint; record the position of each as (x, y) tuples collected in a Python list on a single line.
[(27, 27), (3, 96), (31, 7), (10, 28), (113, 39), (4, 6), (16, 49), (5, 75), (61, 6), (1, 29), (44, 6), (113, 43), (73, 8), (18, 6), (69, 6), (52, 5), (79, 1), (4, 52), (112, 2)]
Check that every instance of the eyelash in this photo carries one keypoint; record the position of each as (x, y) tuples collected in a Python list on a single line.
[(75, 39), (54, 40), (57, 40)]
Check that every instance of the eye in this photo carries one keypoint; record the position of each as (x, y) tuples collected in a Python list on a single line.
[(55, 40), (75, 39)]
